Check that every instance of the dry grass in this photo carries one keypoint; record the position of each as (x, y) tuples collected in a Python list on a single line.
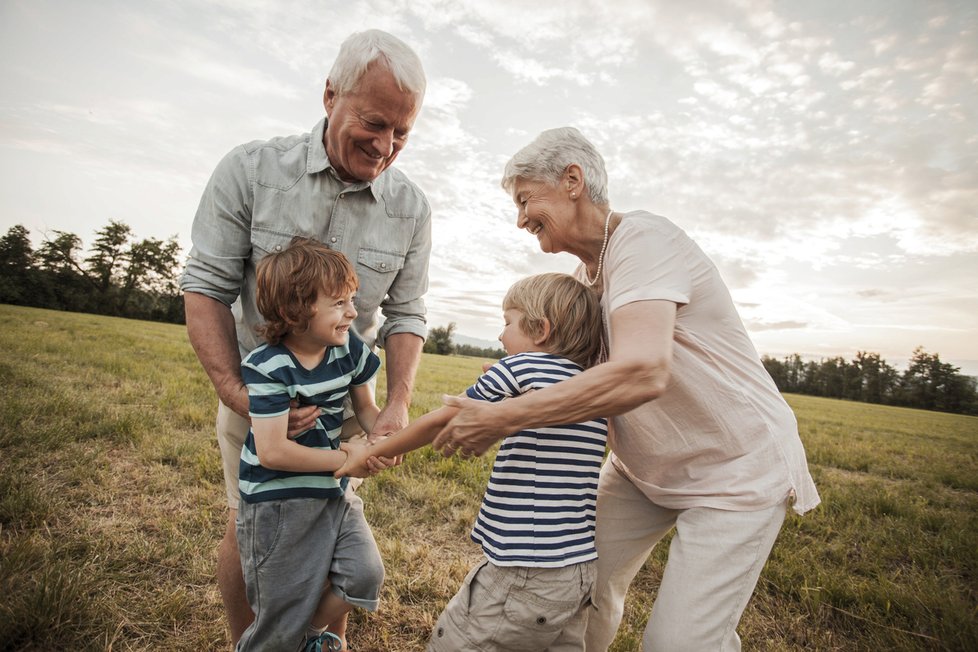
[(111, 506)]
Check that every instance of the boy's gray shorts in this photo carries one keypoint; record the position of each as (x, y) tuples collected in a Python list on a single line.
[(509, 608), (290, 550)]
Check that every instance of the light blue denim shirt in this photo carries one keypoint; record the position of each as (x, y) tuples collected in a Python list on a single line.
[(265, 192)]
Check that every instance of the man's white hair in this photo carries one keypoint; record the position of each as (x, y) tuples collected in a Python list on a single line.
[(548, 156), (360, 49)]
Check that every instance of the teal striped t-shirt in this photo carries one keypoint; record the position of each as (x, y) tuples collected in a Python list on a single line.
[(274, 377)]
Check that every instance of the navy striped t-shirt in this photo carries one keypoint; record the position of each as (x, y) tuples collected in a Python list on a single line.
[(539, 507), (274, 377)]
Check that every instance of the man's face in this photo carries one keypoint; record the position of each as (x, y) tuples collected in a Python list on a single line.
[(368, 126)]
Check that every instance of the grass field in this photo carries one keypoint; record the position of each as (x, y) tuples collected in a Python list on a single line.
[(111, 506)]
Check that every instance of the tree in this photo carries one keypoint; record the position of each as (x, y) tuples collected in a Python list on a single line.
[(16, 252), (16, 265), (775, 369), (119, 277), (440, 340), (108, 253), (479, 352), (931, 384), (151, 267), (58, 254), (122, 270), (927, 383), (877, 380)]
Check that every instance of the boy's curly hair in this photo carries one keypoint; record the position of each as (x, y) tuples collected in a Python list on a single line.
[(572, 308), (289, 281)]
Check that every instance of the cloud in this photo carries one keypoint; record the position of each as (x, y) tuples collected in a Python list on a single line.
[(554, 45), (208, 68), (872, 293), (832, 64)]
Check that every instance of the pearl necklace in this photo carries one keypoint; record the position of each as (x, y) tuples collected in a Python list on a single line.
[(604, 245)]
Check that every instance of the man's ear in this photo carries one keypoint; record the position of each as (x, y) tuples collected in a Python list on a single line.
[(329, 97), (544, 334)]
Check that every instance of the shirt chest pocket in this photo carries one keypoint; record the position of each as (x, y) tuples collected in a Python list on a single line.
[(264, 242), (377, 271)]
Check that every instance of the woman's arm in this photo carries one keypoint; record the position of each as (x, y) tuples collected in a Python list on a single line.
[(276, 451), (637, 372)]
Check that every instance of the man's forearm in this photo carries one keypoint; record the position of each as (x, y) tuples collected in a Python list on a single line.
[(402, 355), (210, 327)]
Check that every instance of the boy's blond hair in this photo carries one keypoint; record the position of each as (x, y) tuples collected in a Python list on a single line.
[(572, 308), (288, 283)]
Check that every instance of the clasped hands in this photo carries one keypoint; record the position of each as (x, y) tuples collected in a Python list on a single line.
[(360, 460)]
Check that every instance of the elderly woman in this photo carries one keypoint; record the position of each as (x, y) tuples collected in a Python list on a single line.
[(702, 440)]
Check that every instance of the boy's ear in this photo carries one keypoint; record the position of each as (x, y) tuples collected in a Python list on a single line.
[(544, 332)]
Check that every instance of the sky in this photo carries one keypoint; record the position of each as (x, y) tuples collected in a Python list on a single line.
[(824, 154)]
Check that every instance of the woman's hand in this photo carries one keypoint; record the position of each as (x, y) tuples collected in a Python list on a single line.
[(477, 426)]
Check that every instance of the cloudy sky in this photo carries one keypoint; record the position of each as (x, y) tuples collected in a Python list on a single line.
[(825, 154)]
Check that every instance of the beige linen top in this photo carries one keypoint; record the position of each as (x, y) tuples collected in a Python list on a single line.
[(721, 435)]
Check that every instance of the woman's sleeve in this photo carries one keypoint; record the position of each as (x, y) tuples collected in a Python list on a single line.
[(647, 262)]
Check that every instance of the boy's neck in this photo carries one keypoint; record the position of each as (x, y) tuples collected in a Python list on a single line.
[(540, 348), (308, 353)]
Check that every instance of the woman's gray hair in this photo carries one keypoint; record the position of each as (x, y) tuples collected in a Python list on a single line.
[(547, 157), (360, 49)]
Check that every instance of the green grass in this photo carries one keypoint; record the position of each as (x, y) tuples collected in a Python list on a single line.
[(111, 507)]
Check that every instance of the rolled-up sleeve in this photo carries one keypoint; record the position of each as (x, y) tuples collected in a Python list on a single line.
[(221, 233), (404, 308)]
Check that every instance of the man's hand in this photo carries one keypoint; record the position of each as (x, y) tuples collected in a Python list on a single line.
[(391, 419), (301, 418)]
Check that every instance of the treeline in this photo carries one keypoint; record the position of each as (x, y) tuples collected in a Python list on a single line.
[(119, 275), (927, 383), (440, 342)]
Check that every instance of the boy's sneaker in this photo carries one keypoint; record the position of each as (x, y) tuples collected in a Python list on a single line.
[(325, 642)]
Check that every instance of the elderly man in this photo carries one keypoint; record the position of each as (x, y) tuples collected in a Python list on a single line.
[(336, 185)]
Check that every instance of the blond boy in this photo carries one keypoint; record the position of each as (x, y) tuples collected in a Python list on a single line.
[(536, 523)]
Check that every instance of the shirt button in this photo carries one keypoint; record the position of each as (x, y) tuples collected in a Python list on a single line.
[(278, 247), (383, 265), (333, 239)]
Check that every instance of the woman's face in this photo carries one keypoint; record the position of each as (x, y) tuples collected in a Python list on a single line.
[(544, 211)]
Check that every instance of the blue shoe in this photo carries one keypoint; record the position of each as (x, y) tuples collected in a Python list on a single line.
[(325, 642)]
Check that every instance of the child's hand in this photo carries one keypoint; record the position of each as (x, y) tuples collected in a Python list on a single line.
[(381, 463), (356, 461)]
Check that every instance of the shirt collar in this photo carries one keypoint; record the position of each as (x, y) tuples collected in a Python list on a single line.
[(318, 161)]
